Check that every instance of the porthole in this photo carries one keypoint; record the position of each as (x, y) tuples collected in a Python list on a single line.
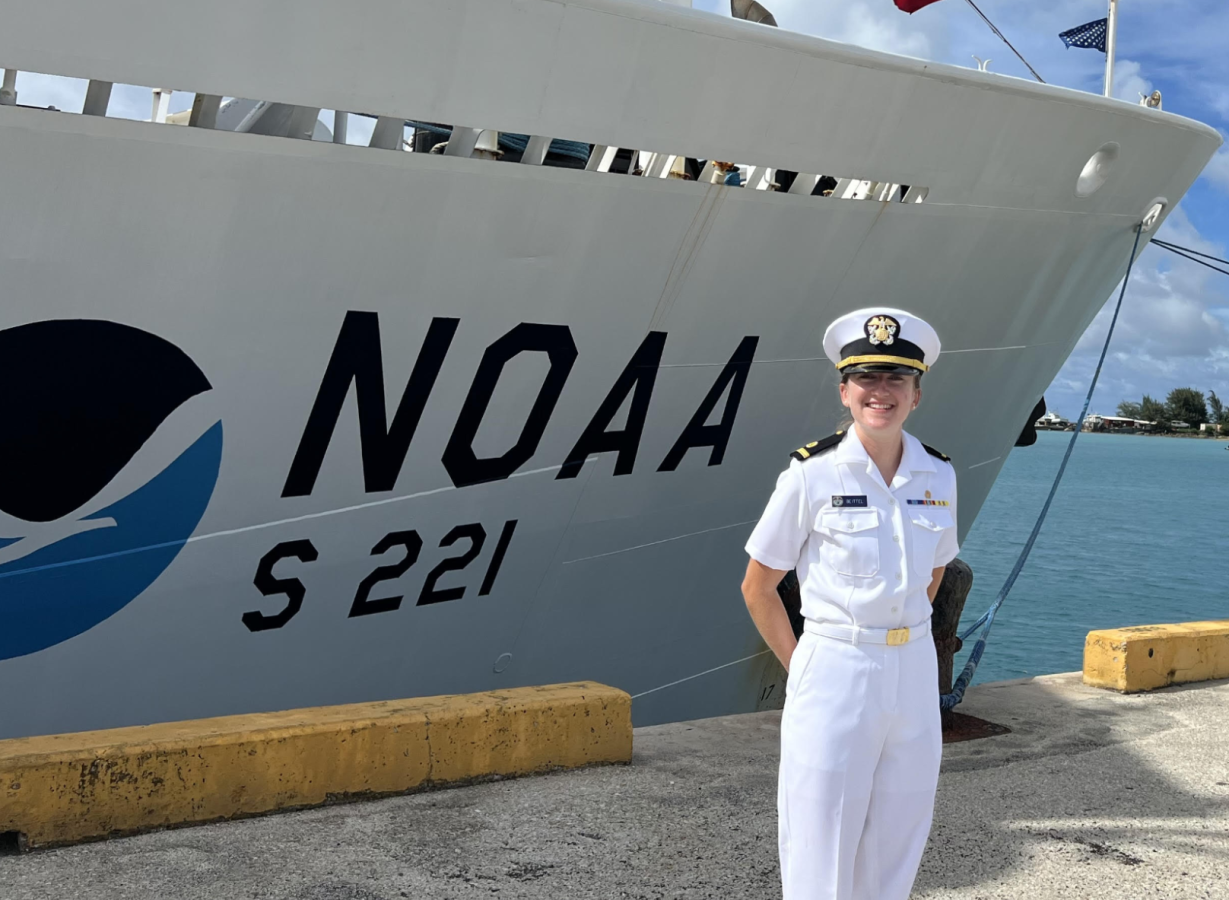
[(1096, 170)]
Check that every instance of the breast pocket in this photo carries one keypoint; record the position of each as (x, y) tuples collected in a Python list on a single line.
[(851, 541), (928, 528)]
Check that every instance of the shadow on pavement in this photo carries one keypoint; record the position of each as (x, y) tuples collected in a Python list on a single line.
[(1088, 783)]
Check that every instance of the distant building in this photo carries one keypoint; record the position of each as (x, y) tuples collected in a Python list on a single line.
[(1117, 424), (1052, 421)]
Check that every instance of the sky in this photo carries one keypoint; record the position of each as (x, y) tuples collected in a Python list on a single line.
[(1174, 329)]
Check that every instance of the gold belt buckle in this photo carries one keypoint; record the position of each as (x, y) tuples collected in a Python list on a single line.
[(898, 636)]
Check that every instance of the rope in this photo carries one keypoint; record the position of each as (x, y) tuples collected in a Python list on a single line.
[(949, 701), (1003, 37), (1171, 246), (1187, 251)]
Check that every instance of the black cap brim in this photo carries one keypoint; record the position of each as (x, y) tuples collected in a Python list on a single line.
[(880, 367)]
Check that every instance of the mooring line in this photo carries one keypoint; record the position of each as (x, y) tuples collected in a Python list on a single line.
[(949, 701)]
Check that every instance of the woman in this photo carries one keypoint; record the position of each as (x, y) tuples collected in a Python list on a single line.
[(868, 519)]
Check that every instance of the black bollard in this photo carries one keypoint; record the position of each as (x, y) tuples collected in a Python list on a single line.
[(790, 592), (945, 622)]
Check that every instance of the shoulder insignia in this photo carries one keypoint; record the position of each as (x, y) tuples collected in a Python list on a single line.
[(933, 452), (815, 448)]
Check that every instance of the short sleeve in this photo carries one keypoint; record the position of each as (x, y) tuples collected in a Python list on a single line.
[(948, 548), (784, 527)]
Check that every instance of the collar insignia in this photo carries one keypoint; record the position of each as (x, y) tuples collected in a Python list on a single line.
[(881, 330)]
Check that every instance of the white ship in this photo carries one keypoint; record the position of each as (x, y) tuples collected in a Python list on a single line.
[(291, 422)]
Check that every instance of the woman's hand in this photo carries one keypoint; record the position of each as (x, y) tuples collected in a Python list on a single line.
[(936, 579), (767, 611)]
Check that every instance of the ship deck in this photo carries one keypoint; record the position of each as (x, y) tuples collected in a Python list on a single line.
[(1091, 794)]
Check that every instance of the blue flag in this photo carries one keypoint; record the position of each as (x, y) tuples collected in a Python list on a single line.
[(1089, 37)]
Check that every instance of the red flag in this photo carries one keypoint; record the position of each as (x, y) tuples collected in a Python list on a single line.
[(912, 6)]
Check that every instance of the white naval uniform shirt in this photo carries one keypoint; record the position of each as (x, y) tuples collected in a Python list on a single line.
[(867, 566)]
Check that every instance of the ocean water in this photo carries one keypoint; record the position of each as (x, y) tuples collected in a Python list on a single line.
[(1137, 535)]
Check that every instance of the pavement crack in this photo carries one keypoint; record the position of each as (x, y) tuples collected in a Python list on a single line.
[(1096, 848), (529, 870)]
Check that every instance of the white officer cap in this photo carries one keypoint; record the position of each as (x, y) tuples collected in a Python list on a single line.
[(880, 339)]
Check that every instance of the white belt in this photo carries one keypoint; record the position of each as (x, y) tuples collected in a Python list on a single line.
[(855, 634)]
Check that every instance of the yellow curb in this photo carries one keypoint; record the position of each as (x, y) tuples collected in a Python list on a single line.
[(65, 788), (1153, 656)]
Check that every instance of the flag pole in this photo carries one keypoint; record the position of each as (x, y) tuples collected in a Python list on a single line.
[(1111, 40)]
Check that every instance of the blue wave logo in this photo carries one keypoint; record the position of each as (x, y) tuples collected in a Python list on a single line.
[(108, 459)]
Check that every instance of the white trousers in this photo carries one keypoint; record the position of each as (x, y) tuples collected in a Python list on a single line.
[(860, 748)]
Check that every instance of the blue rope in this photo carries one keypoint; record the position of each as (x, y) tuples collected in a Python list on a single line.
[(986, 622)]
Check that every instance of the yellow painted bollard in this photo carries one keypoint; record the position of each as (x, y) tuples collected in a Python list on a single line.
[(1153, 656), (60, 789)]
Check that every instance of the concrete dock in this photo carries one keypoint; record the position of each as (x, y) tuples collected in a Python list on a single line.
[(1092, 794)]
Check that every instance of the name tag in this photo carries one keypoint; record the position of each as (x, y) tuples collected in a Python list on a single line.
[(857, 501), (927, 502)]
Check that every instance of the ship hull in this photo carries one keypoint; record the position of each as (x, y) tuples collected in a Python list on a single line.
[(485, 424)]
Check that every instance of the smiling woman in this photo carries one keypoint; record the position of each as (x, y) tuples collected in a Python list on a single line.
[(884, 398), (868, 520)]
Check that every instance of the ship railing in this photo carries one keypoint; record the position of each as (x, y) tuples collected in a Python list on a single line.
[(271, 119)]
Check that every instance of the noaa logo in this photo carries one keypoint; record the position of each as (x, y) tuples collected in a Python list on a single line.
[(109, 455)]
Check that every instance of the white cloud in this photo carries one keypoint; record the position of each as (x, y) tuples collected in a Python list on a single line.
[(65, 94), (1173, 331), (876, 25), (1128, 82), (1220, 102), (1217, 171)]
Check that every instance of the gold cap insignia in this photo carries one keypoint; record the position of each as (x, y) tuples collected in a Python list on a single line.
[(882, 330)]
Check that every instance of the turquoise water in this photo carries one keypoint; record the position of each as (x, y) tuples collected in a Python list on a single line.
[(1136, 536)]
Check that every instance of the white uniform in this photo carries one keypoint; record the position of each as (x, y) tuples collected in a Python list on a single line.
[(860, 734)]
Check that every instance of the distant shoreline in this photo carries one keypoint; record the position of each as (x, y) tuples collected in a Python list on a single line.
[(1190, 435)]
